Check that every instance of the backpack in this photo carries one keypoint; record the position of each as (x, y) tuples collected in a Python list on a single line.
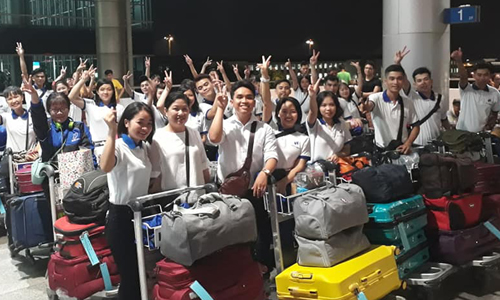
[(460, 141), (87, 201)]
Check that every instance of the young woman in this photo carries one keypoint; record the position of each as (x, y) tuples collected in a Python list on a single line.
[(349, 101), (75, 113), (129, 169), (180, 167), (329, 134)]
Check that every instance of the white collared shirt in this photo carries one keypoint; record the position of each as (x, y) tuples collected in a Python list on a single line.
[(292, 147), (234, 145), (95, 119), (476, 106), (197, 122), (304, 101), (327, 141), (16, 132), (350, 107)]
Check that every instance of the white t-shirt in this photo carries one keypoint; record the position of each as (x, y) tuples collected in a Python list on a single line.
[(292, 147), (169, 149), (234, 145), (350, 107), (430, 129), (160, 119), (205, 106), (75, 113), (197, 122), (16, 131), (304, 101), (132, 172), (386, 116), (326, 141), (4, 107), (95, 119), (476, 106)]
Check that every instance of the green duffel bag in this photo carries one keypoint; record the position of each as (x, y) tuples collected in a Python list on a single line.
[(460, 141)]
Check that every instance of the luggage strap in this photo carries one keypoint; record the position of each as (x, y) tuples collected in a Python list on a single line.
[(492, 229), (200, 291), (87, 245), (403, 236), (2, 209)]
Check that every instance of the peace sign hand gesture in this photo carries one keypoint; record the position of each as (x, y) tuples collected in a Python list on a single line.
[(314, 58), (168, 80), (208, 62), (264, 66), (188, 59), (147, 62), (19, 49), (398, 57), (314, 89), (127, 76)]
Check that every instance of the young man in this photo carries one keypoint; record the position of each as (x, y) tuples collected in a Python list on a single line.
[(331, 84), (385, 108), (205, 88), (480, 103), (118, 86), (304, 68), (453, 114), (372, 84), (496, 81), (344, 75)]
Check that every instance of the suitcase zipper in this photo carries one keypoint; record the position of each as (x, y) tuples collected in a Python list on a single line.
[(373, 224)]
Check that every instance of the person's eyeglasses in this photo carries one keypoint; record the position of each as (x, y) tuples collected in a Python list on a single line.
[(60, 110)]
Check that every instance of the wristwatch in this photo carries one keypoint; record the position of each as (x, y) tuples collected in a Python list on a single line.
[(267, 172)]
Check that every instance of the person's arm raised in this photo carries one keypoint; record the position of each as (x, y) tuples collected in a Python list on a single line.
[(108, 158), (398, 57), (160, 105), (267, 109), (313, 61), (74, 95), (359, 87), (293, 76), (147, 66), (220, 67), (126, 84), (312, 116), (22, 61), (464, 77), (237, 73), (206, 64), (190, 64), (216, 130)]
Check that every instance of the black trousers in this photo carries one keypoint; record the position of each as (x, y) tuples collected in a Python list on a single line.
[(121, 240)]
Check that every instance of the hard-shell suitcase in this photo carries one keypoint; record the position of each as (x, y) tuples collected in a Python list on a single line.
[(68, 237), (462, 246), (454, 212), (230, 273), (390, 223), (488, 178), (77, 278), (373, 273), (29, 221), (412, 259)]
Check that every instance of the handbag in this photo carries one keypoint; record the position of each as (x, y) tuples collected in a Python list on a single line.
[(37, 176), (74, 164), (237, 183)]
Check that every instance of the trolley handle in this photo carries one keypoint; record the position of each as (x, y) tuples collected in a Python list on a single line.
[(49, 170)]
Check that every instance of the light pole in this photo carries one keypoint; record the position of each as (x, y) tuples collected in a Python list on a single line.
[(169, 39), (310, 43)]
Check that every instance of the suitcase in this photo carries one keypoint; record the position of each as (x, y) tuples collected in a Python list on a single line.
[(454, 212), (228, 274), (488, 178), (68, 237), (412, 259), (461, 246), (390, 223), (30, 222), (491, 206), (77, 278), (373, 272), (24, 183)]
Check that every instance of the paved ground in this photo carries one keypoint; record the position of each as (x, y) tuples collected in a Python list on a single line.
[(22, 280)]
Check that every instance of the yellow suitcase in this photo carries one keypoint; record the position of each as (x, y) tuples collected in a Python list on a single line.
[(373, 272)]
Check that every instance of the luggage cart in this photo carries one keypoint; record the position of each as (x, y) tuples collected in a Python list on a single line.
[(137, 205)]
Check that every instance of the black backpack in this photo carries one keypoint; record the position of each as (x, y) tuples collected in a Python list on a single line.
[(87, 201)]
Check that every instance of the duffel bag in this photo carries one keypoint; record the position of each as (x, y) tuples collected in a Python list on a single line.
[(441, 174), (213, 223), (384, 183), (460, 141), (87, 201), (362, 143), (488, 178), (320, 215), (454, 212)]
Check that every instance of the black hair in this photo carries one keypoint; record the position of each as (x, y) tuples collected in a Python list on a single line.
[(331, 78), (339, 112), (299, 79), (188, 85), (201, 77), (143, 78), (341, 66), (154, 76), (421, 70), (281, 81), (482, 66), (394, 68), (369, 62), (242, 83), (304, 63), (456, 102), (61, 81), (349, 98), (57, 97), (12, 90), (38, 70), (129, 113), (295, 103), (100, 83), (107, 72), (160, 86), (172, 97)]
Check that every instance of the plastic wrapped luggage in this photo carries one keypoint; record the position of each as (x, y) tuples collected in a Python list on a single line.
[(454, 212), (227, 274), (77, 278), (68, 237), (488, 178), (29, 221), (462, 246), (373, 273)]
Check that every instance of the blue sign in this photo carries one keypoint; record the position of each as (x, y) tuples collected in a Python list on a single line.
[(464, 14)]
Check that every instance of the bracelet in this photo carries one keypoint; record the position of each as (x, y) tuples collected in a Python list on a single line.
[(264, 80)]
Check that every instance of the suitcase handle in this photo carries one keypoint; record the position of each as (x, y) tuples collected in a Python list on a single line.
[(371, 276), (297, 292), (301, 276)]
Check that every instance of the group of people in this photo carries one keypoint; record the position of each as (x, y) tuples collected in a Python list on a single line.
[(160, 139)]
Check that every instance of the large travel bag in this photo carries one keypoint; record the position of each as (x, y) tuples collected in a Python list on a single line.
[(77, 277), (318, 216), (441, 174), (29, 221), (68, 237), (460, 141), (373, 273), (397, 223), (227, 274), (384, 183), (413, 259), (454, 212), (337, 248), (462, 246), (488, 178)]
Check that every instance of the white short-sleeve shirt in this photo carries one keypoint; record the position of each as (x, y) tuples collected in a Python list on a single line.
[(327, 141), (132, 172), (386, 116), (304, 100), (169, 149), (234, 145), (95, 119), (350, 108), (160, 119), (476, 106), (430, 129), (16, 131), (197, 122), (291, 147)]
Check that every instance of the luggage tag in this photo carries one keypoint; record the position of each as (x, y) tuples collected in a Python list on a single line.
[(361, 296), (492, 229), (108, 286), (200, 291), (2, 208), (87, 245), (404, 237)]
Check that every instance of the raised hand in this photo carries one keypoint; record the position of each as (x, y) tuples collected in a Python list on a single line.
[(147, 62), (111, 119), (208, 62), (168, 80), (221, 96), (398, 57), (82, 65), (264, 66), (220, 66), (127, 76), (314, 58), (28, 87), (19, 49), (247, 71), (457, 54), (89, 73), (356, 65), (63, 71), (314, 89), (188, 59), (288, 64), (235, 68)]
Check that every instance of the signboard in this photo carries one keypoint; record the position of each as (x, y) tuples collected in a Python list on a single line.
[(462, 14)]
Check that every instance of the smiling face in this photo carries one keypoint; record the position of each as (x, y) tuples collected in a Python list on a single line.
[(394, 81), (482, 77), (304, 83), (205, 88), (177, 114), (59, 111), (140, 126), (344, 91), (62, 88), (15, 101), (105, 92), (39, 79), (243, 101), (423, 83), (288, 115), (328, 108), (191, 97), (145, 87), (283, 90)]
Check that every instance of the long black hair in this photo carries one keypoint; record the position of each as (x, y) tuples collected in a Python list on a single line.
[(295, 103), (129, 113), (188, 85), (338, 110)]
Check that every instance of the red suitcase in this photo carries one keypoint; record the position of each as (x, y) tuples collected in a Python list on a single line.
[(68, 237), (76, 277), (454, 212), (488, 178), (491, 206), (226, 275)]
